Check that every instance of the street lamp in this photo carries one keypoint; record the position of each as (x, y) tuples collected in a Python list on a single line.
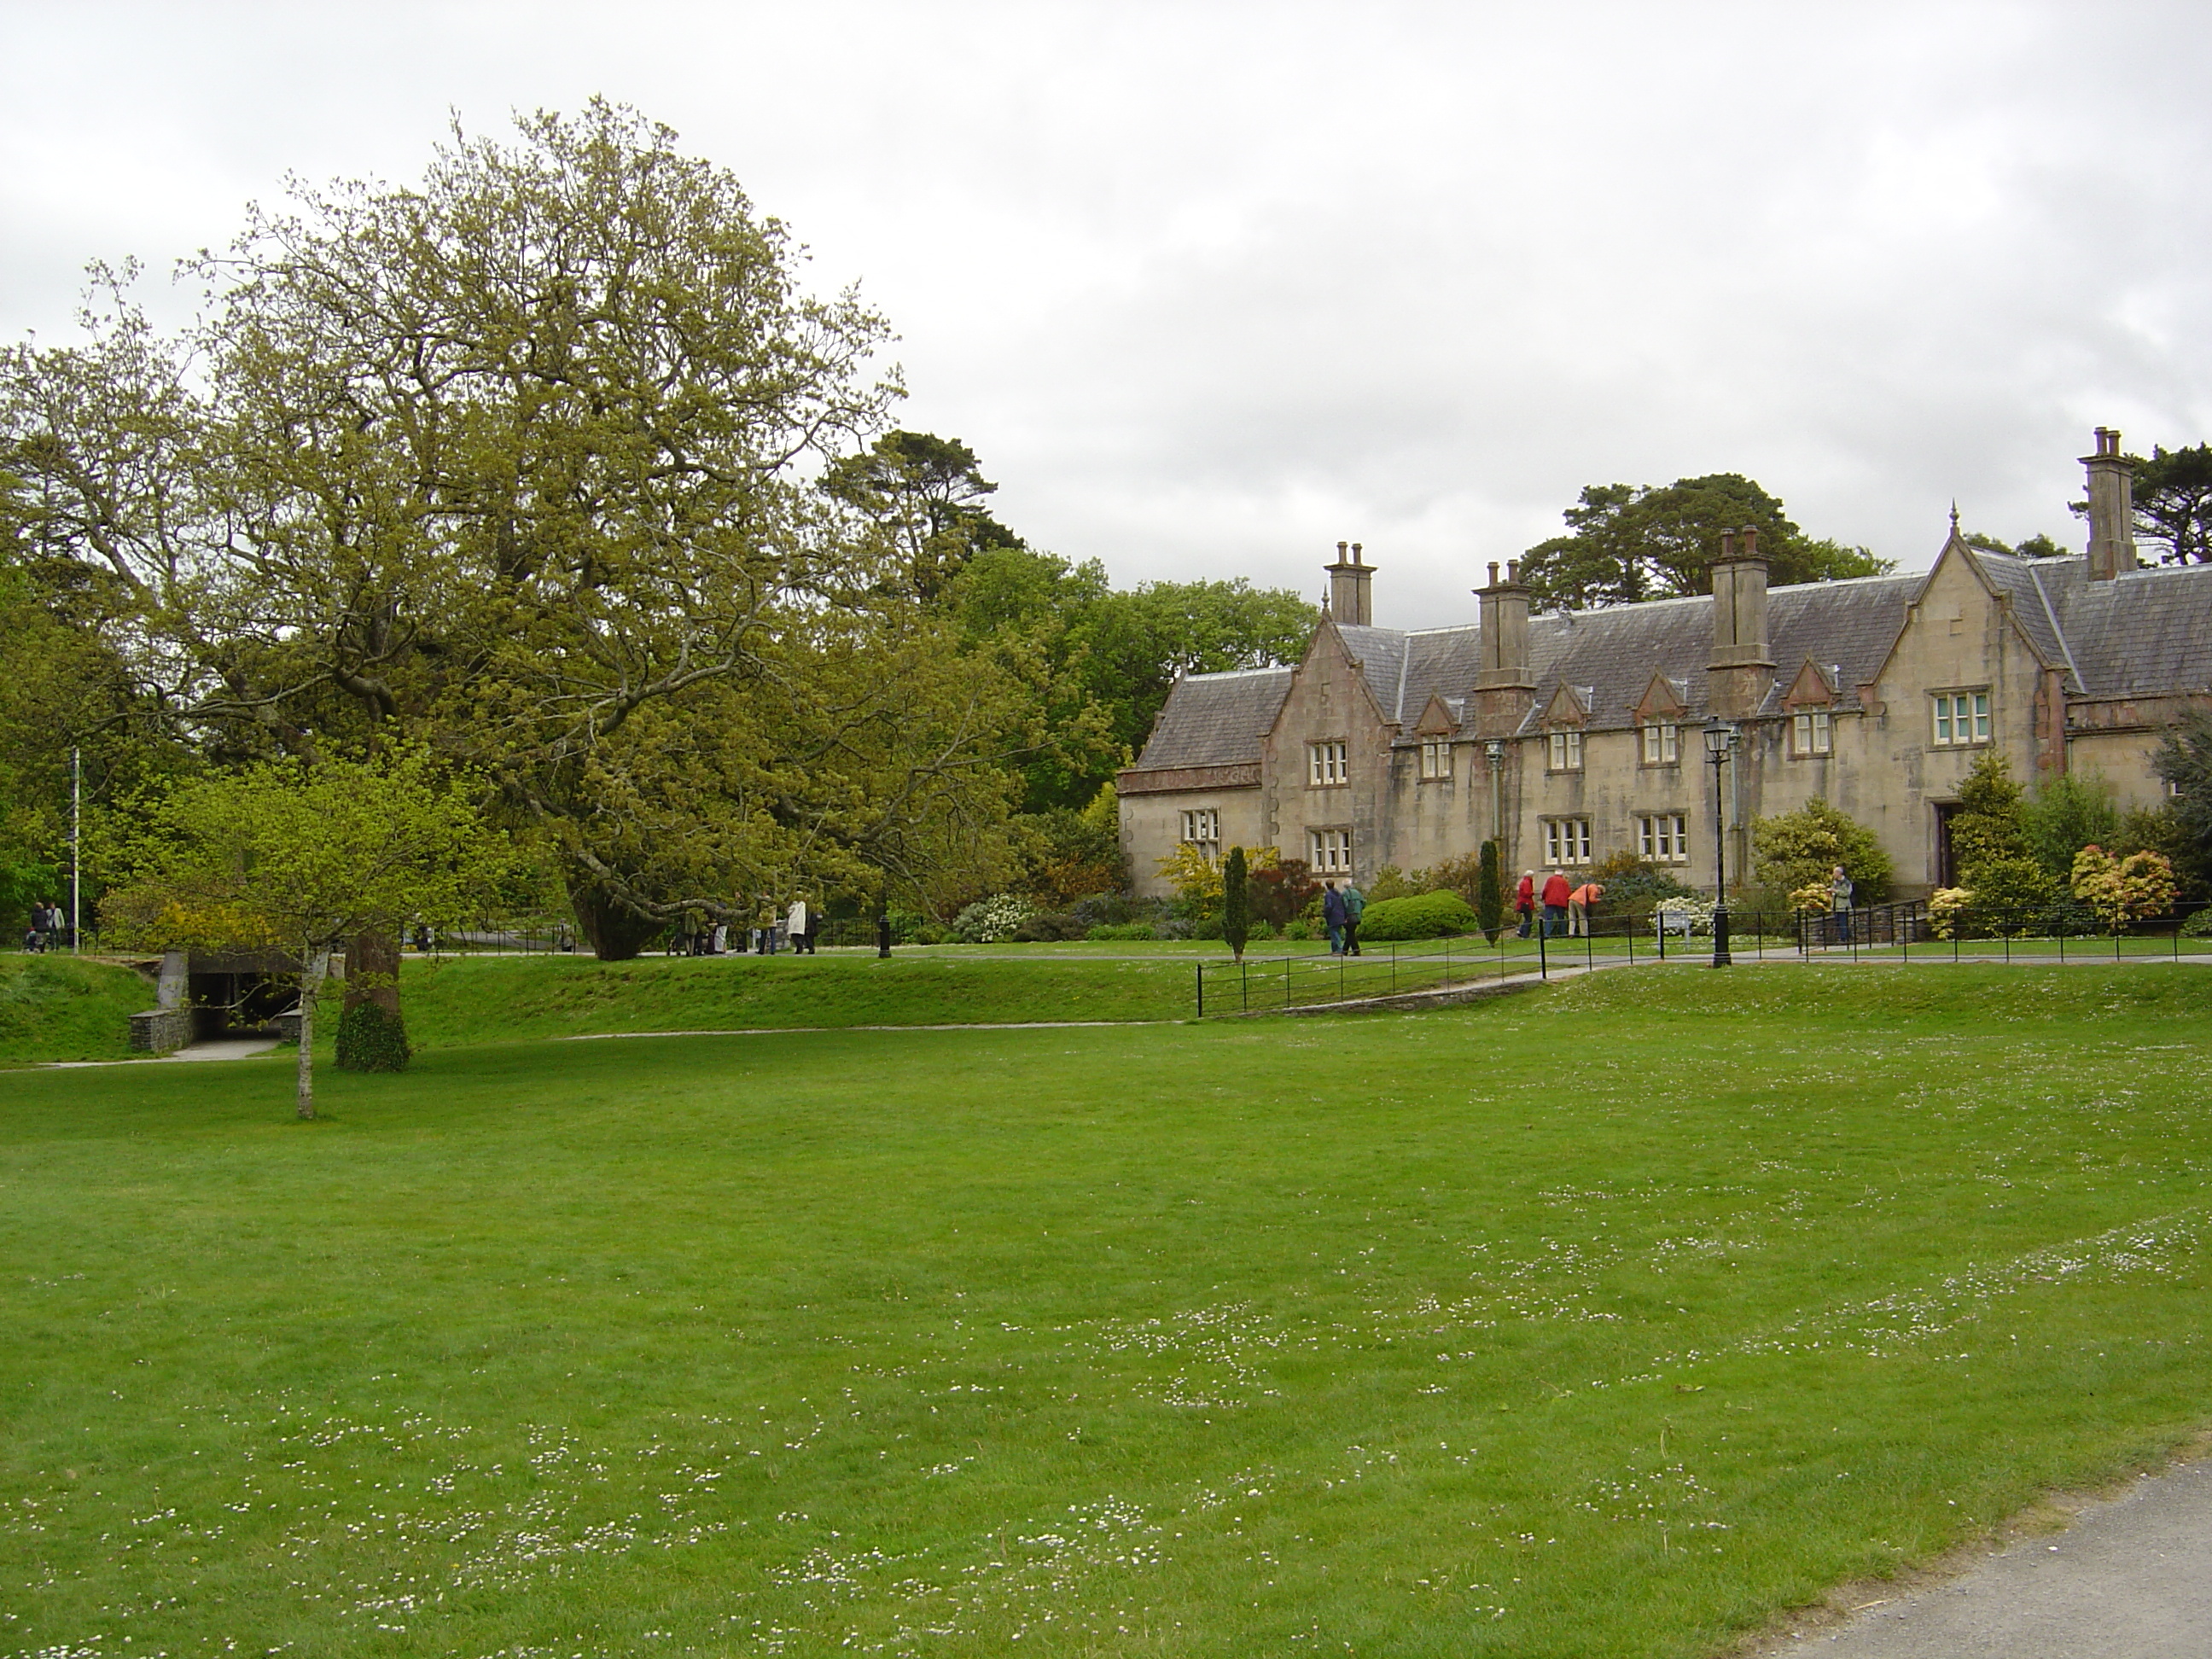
[(1720, 739), (1494, 751)]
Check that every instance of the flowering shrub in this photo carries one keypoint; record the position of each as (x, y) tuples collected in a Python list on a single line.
[(988, 920), (1946, 906), (1699, 911), (2122, 890), (1813, 896)]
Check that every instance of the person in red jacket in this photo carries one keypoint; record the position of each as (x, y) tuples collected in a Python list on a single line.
[(1524, 901), (1556, 891)]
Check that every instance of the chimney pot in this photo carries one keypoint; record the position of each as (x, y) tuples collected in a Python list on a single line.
[(1493, 573), (1750, 545), (1355, 553), (1513, 570), (1340, 546)]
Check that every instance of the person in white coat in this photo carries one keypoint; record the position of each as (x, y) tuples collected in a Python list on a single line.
[(798, 924)]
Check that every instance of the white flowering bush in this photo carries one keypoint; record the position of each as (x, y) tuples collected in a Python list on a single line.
[(1699, 912), (987, 921)]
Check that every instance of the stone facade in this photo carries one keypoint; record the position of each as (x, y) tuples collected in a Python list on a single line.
[(1575, 735)]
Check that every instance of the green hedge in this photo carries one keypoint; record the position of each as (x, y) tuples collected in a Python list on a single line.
[(1425, 915)]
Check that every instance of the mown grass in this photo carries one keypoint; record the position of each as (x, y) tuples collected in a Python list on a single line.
[(481, 999), (59, 1007), (1602, 1321)]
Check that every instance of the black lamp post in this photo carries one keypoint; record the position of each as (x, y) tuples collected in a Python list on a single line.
[(1721, 738)]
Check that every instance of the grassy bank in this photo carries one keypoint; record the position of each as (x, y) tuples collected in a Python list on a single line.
[(59, 1007), (499, 998), (1599, 1321)]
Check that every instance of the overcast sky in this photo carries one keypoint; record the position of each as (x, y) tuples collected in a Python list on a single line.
[(1211, 286)]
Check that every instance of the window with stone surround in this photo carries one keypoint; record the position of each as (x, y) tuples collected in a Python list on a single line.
[(1961, 718), (1435, 757), (1811, 732), (1662, 838), (1201, 828), (1325, 763), (1566, 751), (1663, 743), (1566, 841), (1330, 852)]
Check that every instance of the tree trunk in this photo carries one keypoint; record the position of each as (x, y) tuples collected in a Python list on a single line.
[(372, 972), (311, 988), (616, 933)]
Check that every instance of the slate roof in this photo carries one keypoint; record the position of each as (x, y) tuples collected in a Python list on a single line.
[(2146, 633), (1215, 720)]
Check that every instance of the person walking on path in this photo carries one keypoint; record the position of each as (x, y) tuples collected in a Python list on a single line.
[(1355, 906), (800, 925), (1524, 902), (1333, 915), (1556, 894), (1839, 902), (1579, 903)]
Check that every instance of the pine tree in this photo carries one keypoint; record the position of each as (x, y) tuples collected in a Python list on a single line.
[(1236, 903)]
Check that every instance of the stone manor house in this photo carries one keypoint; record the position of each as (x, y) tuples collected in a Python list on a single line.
[(1573, 736)]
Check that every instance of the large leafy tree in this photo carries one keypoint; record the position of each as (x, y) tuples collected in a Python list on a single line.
[(1629, 543), (518, 461)]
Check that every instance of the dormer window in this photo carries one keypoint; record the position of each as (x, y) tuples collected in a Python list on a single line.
[(1566, 749), (1435, 757), (1811, 734), (1662, 743)]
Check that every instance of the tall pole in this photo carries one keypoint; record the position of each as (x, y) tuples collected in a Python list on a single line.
[(77, 851), (1719, 742)]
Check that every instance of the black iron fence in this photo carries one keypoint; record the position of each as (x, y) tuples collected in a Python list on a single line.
[(2067, 931)]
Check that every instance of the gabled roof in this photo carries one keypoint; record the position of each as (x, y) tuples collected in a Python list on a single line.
[(2145, 633), (1215, 720)]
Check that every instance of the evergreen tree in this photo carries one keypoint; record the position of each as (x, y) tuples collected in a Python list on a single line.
[(1236, 903), (1489, 894)]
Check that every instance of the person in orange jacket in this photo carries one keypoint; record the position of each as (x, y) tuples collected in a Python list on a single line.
[(1556, 894), (1524, 902), (1578, 908)]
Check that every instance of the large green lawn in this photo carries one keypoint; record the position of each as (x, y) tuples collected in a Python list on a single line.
[(1601, 1319)]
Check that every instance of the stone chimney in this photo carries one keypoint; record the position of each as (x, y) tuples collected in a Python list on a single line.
[(1741, 670), (2111, 508), (1505, 679), (1350, 588)]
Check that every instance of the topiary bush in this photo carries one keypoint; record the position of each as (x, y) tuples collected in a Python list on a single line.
[(1426, 915), (371, 1039)]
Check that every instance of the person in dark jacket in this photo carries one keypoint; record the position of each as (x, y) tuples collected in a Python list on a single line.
[(1557, 892), (1333, 916), (1355, 906)]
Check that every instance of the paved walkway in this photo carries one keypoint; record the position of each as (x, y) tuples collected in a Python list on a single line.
[(220, 1048), (2131, 1579)]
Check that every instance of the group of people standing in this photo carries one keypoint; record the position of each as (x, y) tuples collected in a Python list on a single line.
[(1566, 908), (772, 927)]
